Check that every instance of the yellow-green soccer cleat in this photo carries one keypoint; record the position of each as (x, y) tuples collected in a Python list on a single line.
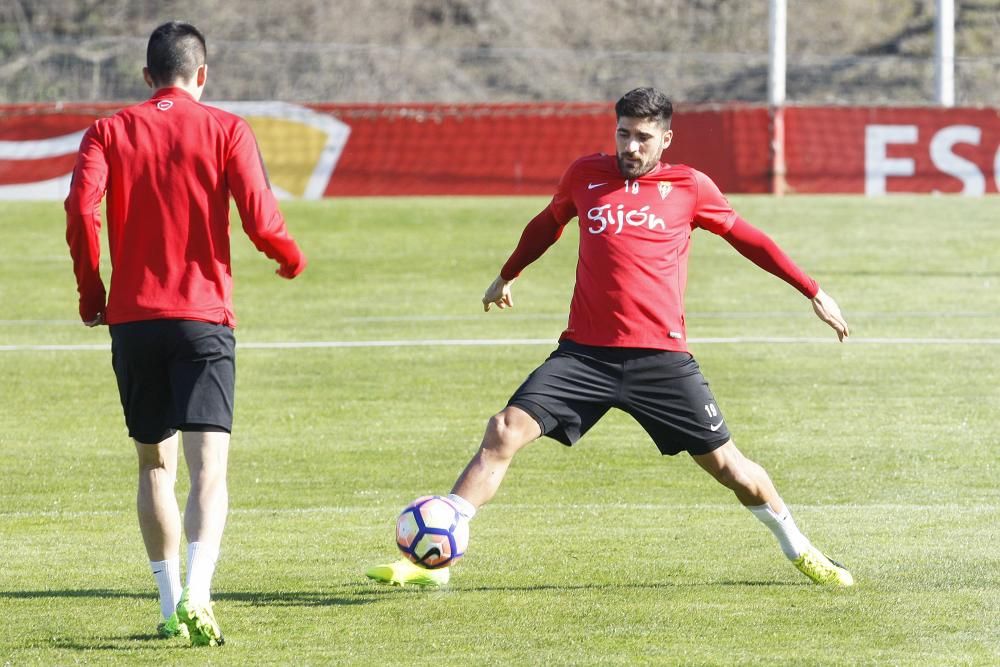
[(822, 569), (405, 573), (200, 622), (172, 627)]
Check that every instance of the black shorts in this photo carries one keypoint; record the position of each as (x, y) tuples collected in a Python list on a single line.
[(664, 391), (174, 375)]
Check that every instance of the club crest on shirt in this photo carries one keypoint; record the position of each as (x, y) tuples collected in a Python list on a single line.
[(665, 187)]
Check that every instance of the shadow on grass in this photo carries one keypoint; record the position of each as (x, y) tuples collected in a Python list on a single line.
[(356, 595), (342, 595), (346, 595), (116, 644), (366, 593)]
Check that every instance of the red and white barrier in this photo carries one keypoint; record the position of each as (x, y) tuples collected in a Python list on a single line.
[(325, 150)]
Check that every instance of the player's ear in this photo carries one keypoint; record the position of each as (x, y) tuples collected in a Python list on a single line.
[(147, 77), (201, 75), (667, 138)]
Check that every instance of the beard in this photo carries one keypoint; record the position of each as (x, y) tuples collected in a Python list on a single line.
[(634, 168)]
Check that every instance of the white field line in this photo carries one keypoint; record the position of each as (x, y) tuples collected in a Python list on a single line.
[(584, 507), (691, 316), (707, 315), (33, 322), (485, 342)]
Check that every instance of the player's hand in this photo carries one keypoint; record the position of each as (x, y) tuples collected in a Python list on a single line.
[(828, 311), (97, 321), (289, 271), (499, 293)]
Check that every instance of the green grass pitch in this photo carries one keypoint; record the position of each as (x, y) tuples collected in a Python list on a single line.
[(886, 449)]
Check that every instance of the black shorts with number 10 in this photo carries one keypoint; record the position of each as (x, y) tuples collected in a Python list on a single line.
[(664, 391)]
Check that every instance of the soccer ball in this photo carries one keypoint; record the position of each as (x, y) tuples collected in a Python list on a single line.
[(431, 532)]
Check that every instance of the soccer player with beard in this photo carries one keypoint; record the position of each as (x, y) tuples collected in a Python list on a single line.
[(625, 344)]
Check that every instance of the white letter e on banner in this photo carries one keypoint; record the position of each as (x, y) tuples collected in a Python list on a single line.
[(877, 166)]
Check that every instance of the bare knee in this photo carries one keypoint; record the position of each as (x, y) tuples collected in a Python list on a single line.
[(207, 479), (730, 468), (157, 460), (508, 431), (207, 455), (152, 464)]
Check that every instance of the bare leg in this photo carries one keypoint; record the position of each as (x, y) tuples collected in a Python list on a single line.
[(755, 490), (159, 516), (506, 433), (207, 456), (746, 479)]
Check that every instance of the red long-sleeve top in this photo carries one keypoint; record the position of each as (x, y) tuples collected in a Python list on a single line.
[(169, 166)]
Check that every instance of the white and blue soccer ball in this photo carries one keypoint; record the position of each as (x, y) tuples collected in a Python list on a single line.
[(431, 532)]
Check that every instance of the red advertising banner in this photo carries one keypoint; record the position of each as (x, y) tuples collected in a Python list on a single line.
[(524, 149), (876, 150), (325, 150)]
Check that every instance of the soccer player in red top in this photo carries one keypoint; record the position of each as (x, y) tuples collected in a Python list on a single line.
[(626, 345), (169, 167)]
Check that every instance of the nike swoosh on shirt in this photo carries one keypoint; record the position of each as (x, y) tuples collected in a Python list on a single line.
[(591, 186), (716, 427)]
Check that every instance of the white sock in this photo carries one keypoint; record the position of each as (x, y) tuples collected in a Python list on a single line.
[(793, 542), (201, 566), (168, 580), (465, 508)]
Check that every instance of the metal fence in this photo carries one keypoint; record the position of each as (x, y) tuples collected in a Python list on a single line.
[(445, 50)]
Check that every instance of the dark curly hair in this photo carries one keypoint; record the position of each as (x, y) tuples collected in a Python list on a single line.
[(647, 103)]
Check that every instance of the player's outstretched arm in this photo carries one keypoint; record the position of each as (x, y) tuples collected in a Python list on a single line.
[(828, 311), (541, 232), (498, 293), (759, 248)]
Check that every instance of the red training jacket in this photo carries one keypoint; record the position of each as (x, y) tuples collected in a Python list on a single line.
[(169, 166)]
